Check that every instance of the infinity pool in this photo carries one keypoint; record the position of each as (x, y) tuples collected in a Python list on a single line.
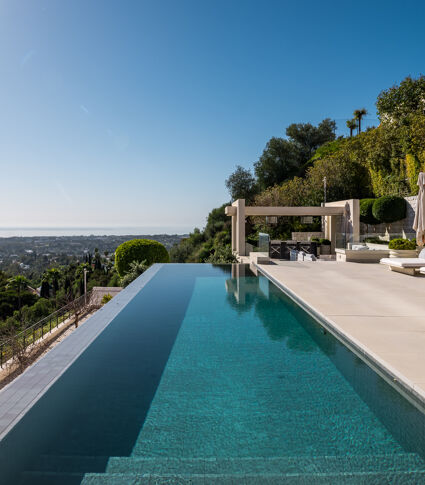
[(212, 375)]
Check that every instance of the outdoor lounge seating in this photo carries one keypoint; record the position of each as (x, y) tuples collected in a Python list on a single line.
[(406, 265)]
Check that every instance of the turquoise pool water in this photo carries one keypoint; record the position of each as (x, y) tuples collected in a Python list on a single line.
[(223, 380)]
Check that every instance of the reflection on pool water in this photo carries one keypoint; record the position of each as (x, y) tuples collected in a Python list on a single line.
[(212, 374)]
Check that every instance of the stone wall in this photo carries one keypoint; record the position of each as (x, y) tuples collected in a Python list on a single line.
[(401, 228)]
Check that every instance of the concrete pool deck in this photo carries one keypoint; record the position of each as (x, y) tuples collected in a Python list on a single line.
[(381, 313)]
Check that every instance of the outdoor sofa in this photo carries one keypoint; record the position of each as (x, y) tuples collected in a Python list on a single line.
[(406, 265)]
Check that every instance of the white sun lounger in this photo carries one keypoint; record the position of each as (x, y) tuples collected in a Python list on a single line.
[(406, 265)]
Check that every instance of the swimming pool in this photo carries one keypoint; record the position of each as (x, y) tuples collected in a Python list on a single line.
[(212, 375)]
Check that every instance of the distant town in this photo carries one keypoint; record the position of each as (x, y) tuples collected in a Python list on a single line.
[(31, 255)]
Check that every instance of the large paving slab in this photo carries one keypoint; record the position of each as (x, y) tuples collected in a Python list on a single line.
[(382, 313)]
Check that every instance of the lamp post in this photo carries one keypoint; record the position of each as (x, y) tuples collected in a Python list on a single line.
[(324, 189)]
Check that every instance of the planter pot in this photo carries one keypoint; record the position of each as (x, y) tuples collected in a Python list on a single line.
[(403, 253), (325, 249)]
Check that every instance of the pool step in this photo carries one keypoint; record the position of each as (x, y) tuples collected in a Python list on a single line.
[(70, 463), (242, 466), (50, 478), (364, 478)]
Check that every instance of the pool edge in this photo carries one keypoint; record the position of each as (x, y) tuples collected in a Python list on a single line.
[(20, 395), (393, 377)]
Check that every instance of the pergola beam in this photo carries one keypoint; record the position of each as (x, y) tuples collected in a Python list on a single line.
[(294, 211), (287, 211)]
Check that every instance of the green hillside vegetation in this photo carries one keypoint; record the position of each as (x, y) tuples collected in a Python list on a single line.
[(381, 161), (21, 307)]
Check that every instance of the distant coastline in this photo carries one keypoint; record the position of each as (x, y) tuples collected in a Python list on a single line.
[(91, 231)]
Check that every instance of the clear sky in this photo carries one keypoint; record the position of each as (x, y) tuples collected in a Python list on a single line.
[(133, 113)]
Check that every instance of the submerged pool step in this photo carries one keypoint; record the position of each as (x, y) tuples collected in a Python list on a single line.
[(50, 478), (70, 463), (365, 478), (242, 466)]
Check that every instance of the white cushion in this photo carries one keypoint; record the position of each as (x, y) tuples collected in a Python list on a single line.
[(403, 262), (422, 254), (358, 247)]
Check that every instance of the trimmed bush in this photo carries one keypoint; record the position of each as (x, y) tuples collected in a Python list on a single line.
[(374, 240), (389, 208), (325, 242), (139, 250), (400, 243), (366, 215)]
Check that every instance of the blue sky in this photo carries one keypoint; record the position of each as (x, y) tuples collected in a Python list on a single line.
[(133, 113)]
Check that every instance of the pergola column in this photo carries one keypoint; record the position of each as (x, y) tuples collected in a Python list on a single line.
[(240, 226), (233, 234)]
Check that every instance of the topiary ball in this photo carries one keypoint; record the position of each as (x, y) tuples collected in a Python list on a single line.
[(402, 244), (139, 250), (389, 208), (366, 215)]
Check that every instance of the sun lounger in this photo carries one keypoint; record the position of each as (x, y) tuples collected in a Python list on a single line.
[(405, 265)]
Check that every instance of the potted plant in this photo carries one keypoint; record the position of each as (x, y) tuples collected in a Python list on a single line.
[(325, 246), (317, 241), (402, 248)]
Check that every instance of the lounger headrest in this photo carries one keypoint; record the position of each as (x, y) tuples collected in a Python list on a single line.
[(422, 254)]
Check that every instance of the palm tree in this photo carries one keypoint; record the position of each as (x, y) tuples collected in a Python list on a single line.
[(19, 284), (54, 275), (358, 115), (352, 125)]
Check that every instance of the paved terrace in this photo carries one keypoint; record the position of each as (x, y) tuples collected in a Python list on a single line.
[(381, 313)]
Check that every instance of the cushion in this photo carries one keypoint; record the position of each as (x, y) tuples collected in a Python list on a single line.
[(359, 247), (422, 254), (403, 262)]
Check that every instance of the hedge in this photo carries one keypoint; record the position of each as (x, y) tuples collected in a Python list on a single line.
[(389, 208), (139, 250), (400, 243), (366, 215)]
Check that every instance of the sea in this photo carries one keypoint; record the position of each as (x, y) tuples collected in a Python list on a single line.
[(92, 231)]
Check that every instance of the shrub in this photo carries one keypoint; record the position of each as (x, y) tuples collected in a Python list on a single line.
[(374, 240), (106, 298), (222, 255), (366, 215), (325, 242), (400, 243), (139, 250), (389, 208)]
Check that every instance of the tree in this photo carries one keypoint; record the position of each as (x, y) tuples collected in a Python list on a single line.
[(358, 115), (308, 138), (351, 125), (45, 288), (397, 102), (139, 250), (241, 184), (19, 284), (53, 276), (279, 162)]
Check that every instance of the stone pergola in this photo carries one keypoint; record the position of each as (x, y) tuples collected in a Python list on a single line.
[(349, 209)]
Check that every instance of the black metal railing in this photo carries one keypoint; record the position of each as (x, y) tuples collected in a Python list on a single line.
[(32, 334)]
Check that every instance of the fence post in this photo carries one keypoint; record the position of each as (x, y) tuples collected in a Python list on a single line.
[(42, 330), (1, 356)]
